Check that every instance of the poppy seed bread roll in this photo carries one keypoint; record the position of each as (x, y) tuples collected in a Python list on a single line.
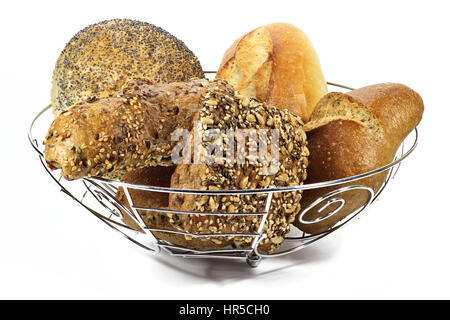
[(102, 57)]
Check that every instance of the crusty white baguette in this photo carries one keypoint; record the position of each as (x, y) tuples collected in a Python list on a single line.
[(277, 64)]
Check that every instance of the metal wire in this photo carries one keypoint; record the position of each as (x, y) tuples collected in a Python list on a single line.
[(97, 195)]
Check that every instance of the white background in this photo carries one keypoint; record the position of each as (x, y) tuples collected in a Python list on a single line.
[(51, 248)]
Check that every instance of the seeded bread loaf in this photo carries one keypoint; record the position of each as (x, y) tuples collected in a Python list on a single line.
[(132, 130), (111, 136), (102, 57), (224, 109), (353, 133), (159, 177), (277, 64)]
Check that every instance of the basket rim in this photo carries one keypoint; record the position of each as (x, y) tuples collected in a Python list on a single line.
[(306, 186)]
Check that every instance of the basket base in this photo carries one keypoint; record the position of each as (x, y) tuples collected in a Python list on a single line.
[(254, 261)]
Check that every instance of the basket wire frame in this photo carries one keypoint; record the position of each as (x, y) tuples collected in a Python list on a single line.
[(97, 195)]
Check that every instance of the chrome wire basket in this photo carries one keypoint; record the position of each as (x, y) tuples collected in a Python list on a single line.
[(98, 196)]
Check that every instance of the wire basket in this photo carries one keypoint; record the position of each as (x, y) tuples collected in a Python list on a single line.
[(98, 196)]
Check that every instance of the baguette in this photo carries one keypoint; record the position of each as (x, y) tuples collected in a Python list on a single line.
[(353, 133)]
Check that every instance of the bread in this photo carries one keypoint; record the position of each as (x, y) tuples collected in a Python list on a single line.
[(132, 130), (277, 64), (225, 109), (111, 136), (353, 133), (158, 177), (102, 57)]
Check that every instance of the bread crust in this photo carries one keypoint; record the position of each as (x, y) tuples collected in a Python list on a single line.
[(339, 149), (227, 110), (159, 177), (353, 133), (162, 108), (102, 57), (277, 64), (247, 64), (397, 107), (111, 136)]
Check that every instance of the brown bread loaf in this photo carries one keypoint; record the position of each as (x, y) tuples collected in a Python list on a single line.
[(353, 133), (159, 177), (132, 130), (225, 109), (111, 136)]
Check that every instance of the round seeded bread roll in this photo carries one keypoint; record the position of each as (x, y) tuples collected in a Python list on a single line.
[(101, 58)]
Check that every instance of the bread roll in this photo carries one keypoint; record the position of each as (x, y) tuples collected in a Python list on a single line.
[(353, 133), (102, 57), (159, 177), (111, 136), (132, 130), (225, 109), (277, 64)]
